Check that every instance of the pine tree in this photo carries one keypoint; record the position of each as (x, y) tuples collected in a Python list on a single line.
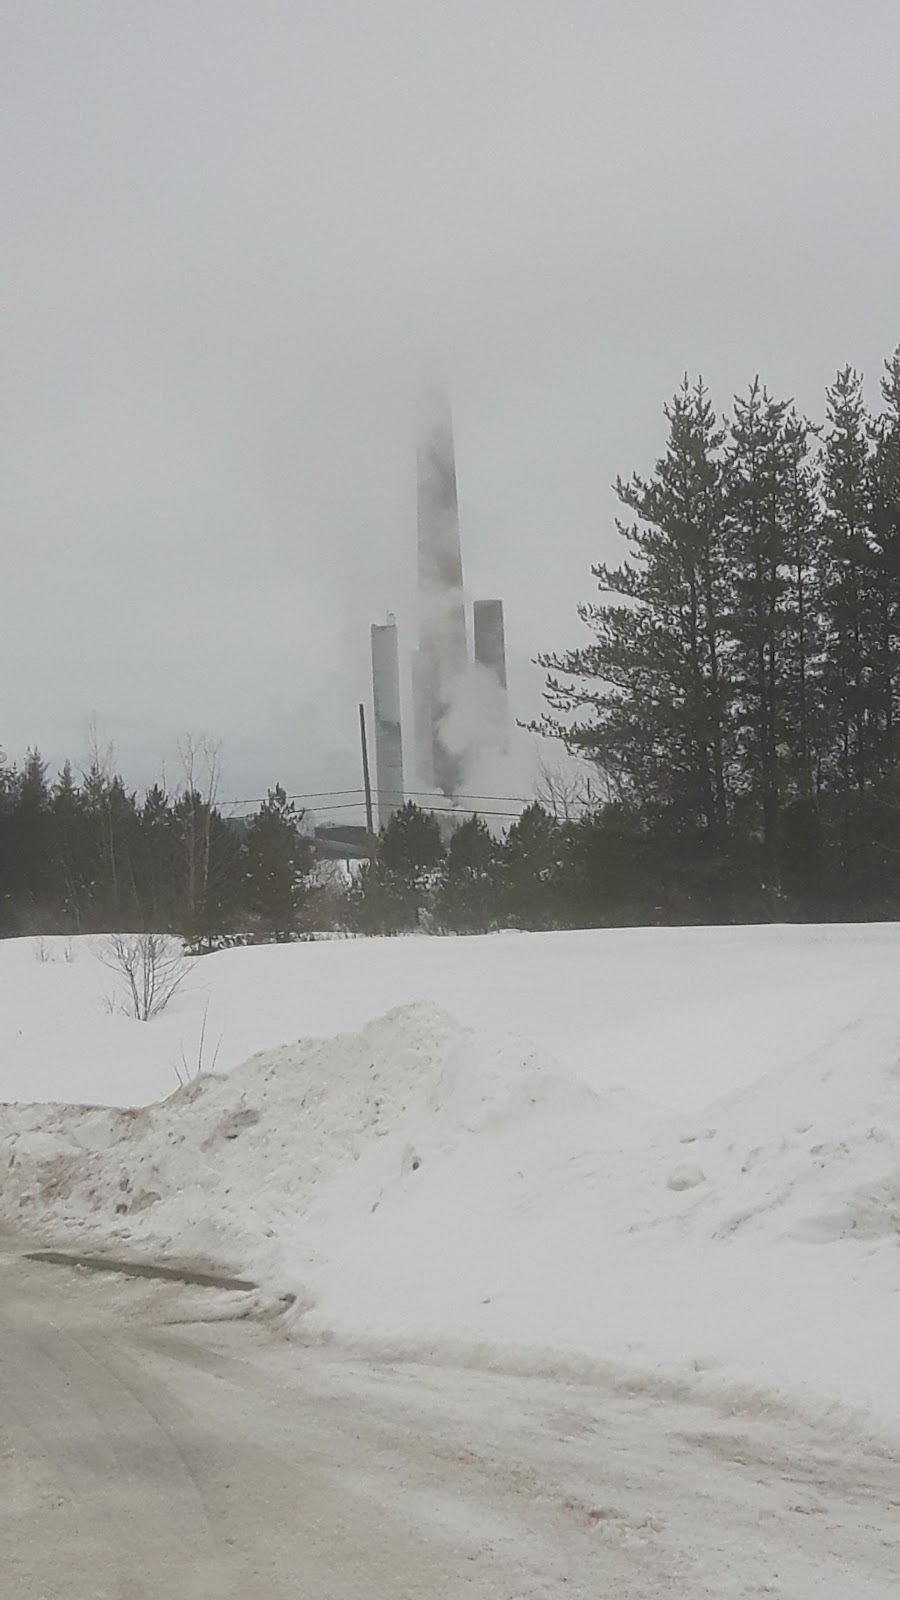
[(411, 849), (467, 894), (379, 902), (851, 623), (7, 845), (31, 841), (802, 643), (279, 859), (530, 874), (223, 895), (394, 891), (848, 597), (156, 865), (650, 695), (756, 551), (69, 851), (613, 868), (192, 827), (209, 886), (884, 478), (774, 544), (111, 830), (804, 755)]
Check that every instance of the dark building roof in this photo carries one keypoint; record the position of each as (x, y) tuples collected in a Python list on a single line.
[(342, 840)]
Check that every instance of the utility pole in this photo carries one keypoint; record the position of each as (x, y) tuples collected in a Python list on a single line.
[(367, 782)]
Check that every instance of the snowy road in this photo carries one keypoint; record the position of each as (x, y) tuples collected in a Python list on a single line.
[(148, 1455)]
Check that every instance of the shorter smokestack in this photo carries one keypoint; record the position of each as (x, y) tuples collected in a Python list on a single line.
[(490, 639), (490, 653), (388, 734)]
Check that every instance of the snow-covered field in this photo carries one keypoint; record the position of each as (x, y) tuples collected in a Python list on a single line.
[(673, 1154)]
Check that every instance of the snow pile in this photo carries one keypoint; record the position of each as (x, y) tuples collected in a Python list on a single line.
[(756, 1242), (297, 1147)]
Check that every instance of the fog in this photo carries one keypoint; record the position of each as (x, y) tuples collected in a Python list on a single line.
[(233, 233)]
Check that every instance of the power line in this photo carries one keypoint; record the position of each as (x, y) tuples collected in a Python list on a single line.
[(359, 805), (412, 794), (320, 794), (425, 794)]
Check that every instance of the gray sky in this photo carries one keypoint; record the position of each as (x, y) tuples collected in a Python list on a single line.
[(231, 231)]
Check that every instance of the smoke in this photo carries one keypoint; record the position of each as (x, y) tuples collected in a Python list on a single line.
[(476, 719), (498, 763)]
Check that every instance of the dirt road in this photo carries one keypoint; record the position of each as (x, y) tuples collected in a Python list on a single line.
[(146, 1454)]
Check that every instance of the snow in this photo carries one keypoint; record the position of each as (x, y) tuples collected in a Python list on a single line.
[(239, 1461), (670, 1153)]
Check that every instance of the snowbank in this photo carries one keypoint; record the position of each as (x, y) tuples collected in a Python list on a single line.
[(678, 1015), (705, 1187), (298, 1146)]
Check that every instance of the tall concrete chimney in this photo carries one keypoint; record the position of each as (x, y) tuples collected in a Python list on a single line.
[(388, 734), (442, 612)]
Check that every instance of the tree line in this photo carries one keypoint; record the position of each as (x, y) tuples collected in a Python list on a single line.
[(86, 854), (601, 867), (740, 691), (83, 855)]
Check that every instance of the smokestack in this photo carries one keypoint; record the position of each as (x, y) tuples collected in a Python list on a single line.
[(442, 612), (388, 735), (490, 638), (490, 653)]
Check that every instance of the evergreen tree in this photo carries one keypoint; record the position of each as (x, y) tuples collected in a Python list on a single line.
[(412, 850), (467, 894), (803, 755), (156, 865), (210, 871), (192, 827), (532, 893), (756, 490), (774, 541), (650, 695), (884, 479), (378, 901), (802, 644), (71, 868), (33, 791), (224, 895), (613, 869), (111, 830), (849, 606), (279, 860), (7, 852), (397, 887), (32, 875)]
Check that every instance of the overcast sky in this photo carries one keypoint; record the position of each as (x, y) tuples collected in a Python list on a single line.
[(231, 231)]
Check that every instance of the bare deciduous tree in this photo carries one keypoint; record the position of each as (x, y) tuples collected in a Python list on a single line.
[(567, 792), (151, 968)]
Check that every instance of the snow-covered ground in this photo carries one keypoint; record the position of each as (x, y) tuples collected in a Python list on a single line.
[(672, 1152)]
